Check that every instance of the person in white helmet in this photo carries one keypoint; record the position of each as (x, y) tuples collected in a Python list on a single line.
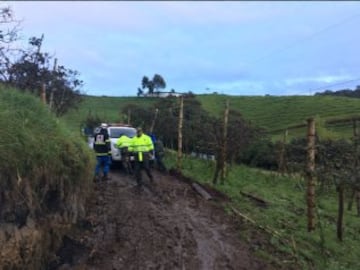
[(103, 152)]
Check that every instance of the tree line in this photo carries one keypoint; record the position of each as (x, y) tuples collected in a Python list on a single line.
[(344, 92), (202, 132), (152, 87)]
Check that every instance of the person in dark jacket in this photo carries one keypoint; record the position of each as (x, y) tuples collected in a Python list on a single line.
[(159, 155), (103, 152)]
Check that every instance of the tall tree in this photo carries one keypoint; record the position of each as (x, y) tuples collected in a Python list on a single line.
[(146, 83), (9, 29), (29, 69), (140, 92), (156, 83), (32, 70)]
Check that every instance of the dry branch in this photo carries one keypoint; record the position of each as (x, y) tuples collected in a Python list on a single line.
[(201, 191), (257, 199), (264, 228), (282, 240)]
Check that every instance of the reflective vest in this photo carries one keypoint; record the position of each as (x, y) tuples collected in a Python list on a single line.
[(140, 145), (102, 143), (124, 141)]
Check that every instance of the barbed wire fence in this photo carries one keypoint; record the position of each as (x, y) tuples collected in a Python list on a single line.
[(343, 175), (343, 171)]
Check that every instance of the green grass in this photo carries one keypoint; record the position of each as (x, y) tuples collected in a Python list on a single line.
[(35, 145), (286, 214), (277, 112), (280, 112)]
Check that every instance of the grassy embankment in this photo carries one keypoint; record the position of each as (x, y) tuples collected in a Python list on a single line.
[(45, 175), (32, 140), (285, 215)]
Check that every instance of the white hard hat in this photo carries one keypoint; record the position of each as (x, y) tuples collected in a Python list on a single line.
[(104, 125)]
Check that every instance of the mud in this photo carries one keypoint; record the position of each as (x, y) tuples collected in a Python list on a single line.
[(165, 226)]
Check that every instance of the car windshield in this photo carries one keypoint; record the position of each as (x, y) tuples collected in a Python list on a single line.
[(116, 132)]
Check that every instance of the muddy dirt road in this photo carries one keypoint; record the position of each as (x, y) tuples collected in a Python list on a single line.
[(166, 226)]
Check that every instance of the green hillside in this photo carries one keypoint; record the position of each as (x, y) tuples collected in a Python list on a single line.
[(107, 109), (270, 112), (278, 112)]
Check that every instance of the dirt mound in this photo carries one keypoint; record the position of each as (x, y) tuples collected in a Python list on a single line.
[(165, 226)]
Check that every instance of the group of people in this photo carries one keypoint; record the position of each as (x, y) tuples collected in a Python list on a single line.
[(142, 147)]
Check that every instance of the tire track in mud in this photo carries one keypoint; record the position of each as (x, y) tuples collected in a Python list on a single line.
[(166, 226)]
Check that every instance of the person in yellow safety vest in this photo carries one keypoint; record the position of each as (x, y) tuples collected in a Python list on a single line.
[(124, 144), (142, 147)]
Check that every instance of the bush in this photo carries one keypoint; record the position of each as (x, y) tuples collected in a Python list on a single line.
[(260, 154)]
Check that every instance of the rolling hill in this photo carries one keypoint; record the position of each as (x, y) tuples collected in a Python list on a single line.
[(274, 113)]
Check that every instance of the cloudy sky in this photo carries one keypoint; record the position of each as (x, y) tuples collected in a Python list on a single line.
[(234, 47)]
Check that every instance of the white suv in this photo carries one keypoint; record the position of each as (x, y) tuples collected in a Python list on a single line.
[(115, 131)]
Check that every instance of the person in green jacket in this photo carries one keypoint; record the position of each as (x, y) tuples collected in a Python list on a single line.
[(124, 145), (142, 147)]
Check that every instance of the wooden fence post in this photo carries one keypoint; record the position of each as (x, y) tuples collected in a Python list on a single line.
[(310, 170), (355, 191), (43, 93), (154, 120), (51, 103), (282, 162), (129, 116), (224, 145), (179, 153), (357, 199)]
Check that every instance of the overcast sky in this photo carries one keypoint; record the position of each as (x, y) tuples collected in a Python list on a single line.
[(235, 47)]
